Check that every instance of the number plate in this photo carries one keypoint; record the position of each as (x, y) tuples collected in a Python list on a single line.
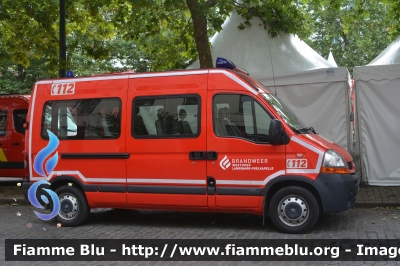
[(296, 163)]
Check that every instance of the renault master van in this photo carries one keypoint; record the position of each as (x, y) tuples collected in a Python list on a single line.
[(209, 140), (13, 110)]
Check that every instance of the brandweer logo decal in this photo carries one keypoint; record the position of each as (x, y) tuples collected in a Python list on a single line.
[(50, 165), (225, 163), (245, 164)]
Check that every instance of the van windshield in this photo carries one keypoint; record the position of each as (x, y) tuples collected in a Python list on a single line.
[(287, 115)]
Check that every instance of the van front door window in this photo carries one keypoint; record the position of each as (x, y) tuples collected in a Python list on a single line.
[(240, 116)]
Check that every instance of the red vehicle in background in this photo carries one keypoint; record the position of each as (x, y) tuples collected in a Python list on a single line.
[(13, 110)]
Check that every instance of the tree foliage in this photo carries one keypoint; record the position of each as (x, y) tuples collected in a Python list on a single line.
[(161, 29), (156, 35), (164, 29), (286, 16), (355, 31), (16, 78)]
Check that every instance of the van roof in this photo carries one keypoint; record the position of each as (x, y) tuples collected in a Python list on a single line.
[(128, 73), (16, 96), (132, 74)]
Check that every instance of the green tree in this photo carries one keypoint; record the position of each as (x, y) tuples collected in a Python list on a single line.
[(277, 16), (154, 35), (356, 31), (16, 78), (166, 29), (393, 8), (29, 29), (122, 56), (163, 29)]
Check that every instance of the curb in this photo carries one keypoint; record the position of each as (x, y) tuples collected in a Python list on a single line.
[(380, 204)]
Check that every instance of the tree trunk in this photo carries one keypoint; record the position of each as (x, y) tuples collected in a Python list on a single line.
[(200, 33), (21, 73)]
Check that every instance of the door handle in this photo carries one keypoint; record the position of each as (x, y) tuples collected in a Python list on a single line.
[(16, 144), (197, 155), (212, 155), (202, 155)]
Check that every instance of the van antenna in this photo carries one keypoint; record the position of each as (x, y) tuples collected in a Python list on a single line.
[(273, 75)]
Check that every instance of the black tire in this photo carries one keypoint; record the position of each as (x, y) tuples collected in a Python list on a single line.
[(294, 210), (74, 209)]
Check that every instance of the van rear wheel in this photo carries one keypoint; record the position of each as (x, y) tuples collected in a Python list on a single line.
[(74, 209), (294, 210)]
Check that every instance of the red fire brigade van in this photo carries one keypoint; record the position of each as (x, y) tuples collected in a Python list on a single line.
[(188, 140), (13, 110)]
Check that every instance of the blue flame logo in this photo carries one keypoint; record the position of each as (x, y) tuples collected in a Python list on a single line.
[(44, 153), (34, 201), (50, 165)]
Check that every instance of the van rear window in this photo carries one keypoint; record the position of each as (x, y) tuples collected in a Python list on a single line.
[(82, 119), (19, 120)]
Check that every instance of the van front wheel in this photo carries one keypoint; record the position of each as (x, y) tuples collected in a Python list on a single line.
[(74, 209), (294, 210)]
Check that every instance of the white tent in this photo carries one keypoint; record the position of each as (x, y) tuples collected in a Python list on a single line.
[(377, 88), (391, 55), (331, 59), (252, 49), (317, 91)]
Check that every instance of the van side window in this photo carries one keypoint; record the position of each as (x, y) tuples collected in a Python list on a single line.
[(172, 116), (82, 119), (3, 123), (240, 116), (19, 120)]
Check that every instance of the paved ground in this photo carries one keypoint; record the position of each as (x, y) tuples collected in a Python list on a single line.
[(357, 223), (376, 216)]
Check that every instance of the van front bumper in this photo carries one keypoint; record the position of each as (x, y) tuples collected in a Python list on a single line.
[(337, 191)]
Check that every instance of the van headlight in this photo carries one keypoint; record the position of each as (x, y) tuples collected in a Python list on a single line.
[(334, 163)]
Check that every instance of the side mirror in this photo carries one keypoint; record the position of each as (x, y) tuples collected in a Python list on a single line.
[(277, 135)]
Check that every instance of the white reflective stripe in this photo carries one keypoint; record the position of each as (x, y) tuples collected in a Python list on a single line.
[(32, 105), (238, 182), (90, 180), (82, 177), (130, 76), (120, 180), (269, 178), (234, 78), (44, 82), (312, 148), (91, 78), (105, 180), (168, 74), (168, 181), (302, 171), (250, 182)]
